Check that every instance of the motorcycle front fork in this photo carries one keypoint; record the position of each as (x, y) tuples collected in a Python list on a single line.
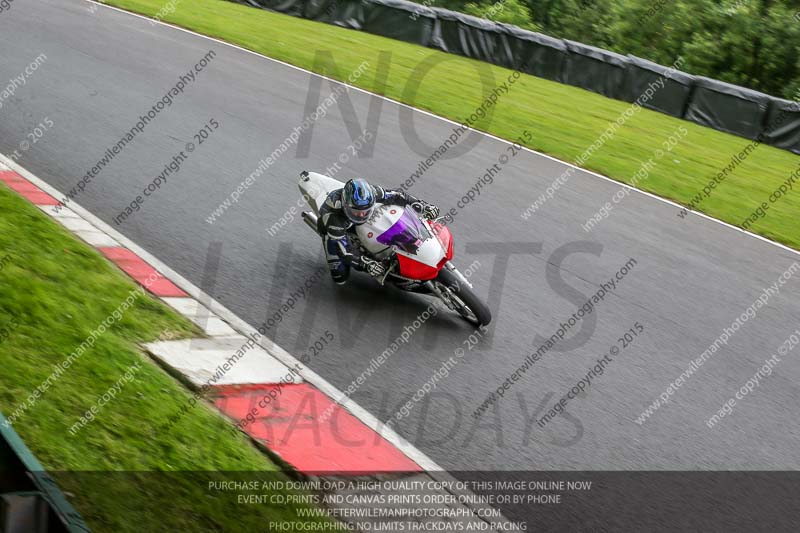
[(452, 268), (446, 298), (435, 290)]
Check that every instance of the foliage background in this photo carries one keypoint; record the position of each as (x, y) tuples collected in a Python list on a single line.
[(753, 43)]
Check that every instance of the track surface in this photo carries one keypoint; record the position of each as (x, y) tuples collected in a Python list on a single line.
[(692, 279)]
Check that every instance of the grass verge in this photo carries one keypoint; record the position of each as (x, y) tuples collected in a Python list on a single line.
[(564, 120), (55, 291)]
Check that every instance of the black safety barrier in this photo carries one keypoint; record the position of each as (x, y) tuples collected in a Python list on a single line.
[(537, 54), (712, 103), (344, 13), (674, 86), (470, 36), (595, 69), (782, 129), (391, 18), (727, 107)]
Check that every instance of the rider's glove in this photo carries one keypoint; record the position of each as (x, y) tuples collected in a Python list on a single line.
[(372, 267), (431, 211), (425, 209)]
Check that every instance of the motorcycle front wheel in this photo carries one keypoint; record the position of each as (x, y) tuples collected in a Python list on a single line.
[(464, 299)]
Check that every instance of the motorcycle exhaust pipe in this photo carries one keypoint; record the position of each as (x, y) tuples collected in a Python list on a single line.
[(310, 219)]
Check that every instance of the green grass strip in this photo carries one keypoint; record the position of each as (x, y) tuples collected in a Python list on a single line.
[(564, 120), (55, 291)]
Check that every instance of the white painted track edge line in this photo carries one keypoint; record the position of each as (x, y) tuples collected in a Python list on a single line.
[(237, 323), (450, 121)]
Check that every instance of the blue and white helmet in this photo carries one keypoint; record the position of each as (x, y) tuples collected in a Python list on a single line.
[(358, 200)]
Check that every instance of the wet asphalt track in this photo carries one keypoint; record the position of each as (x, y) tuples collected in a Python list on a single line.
[(692, 277)]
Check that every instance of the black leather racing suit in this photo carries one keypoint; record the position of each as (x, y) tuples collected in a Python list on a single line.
[(334, 226)]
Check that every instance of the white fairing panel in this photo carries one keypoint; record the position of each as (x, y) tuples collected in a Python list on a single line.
[(316, 187), (430, 253), (384, 218)]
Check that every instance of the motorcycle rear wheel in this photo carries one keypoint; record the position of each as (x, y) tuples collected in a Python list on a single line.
[(467, 303)]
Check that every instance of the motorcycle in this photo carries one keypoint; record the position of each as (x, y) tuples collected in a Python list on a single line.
[(418, 251)]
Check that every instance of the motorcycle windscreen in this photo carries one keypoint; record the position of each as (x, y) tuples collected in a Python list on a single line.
[(407, 234)]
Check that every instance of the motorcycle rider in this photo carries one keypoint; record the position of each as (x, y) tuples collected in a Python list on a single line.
[(353, 205)]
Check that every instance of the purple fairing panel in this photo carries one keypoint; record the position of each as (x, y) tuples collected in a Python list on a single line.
[(407, 232)]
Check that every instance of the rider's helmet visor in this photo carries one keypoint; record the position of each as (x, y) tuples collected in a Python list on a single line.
[(358, 216)]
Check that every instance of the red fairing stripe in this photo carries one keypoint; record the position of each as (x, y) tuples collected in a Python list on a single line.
[(416, 270), (446, 238)]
